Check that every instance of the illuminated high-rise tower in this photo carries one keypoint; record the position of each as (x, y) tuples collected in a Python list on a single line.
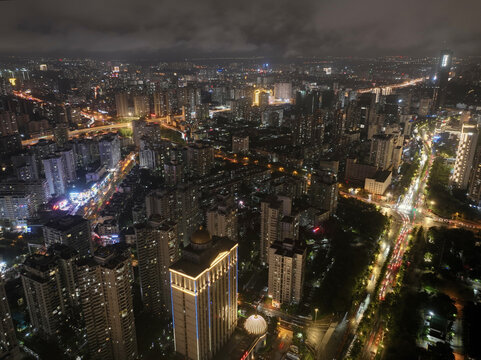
[(204, 296), (465, 155), (444, 67)]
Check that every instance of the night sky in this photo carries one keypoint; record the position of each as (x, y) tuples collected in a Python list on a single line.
[(227, 27)]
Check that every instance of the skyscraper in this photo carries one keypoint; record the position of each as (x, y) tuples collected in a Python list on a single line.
[(287, 259), (468, 140), (157, 244), (444, 67), (204, 296), (105, 287)]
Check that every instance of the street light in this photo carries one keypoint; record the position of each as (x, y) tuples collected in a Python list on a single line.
[(315, 316)]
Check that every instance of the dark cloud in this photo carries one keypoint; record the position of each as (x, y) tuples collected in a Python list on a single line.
[(223, 27)]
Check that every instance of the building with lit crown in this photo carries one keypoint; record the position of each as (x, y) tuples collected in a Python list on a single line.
[(204, 296)]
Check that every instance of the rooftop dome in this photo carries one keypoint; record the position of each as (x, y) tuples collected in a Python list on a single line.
[(255, 325), (200, 237)]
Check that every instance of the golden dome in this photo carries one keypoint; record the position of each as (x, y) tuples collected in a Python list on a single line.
[(200, 237)]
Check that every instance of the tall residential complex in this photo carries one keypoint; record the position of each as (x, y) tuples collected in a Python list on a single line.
[(55, 174), (287, 259), (204, 296), (273, 212), (8, 338), (109, 150), (157, 248), (43, 292), (382, 147), (465, 155), (105, 288), (71, 230), (222, 219)]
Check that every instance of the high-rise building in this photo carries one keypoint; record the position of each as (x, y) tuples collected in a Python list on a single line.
[(172, 173), (8, 123), (70, 163), (71, 230), (105, 288), (273, 210), (222, 220), (141, 105), (16, 207), (323, 191), (43, 292), (25, 165), (474, 189), (382, 147), (204, 296), (60, 134), (109, 150), (122, 104), (180, 205), (283, 91), (8, 338), (468, 140), (240, 144), (287, 259), (55, 174), (444, 67), (199, 159), (157, 244)]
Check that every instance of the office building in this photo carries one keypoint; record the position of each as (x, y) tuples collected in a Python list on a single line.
[(109, 150), (105, 288), (204, 296), (157, 244), (55, 174), (71, 230), (287, 260), (463, 165), (444, 67)]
